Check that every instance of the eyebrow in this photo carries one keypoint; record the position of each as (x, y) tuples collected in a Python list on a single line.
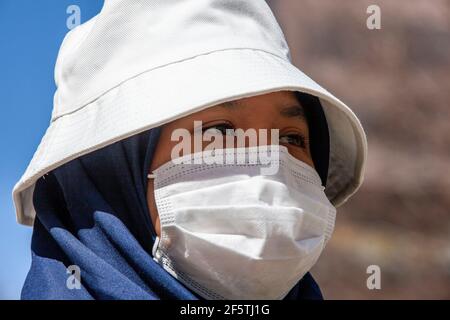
[(289, 111), (231, 104), (293, 111)]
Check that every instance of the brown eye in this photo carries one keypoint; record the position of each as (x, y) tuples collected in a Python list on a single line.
[(222, 128), (294, 139)]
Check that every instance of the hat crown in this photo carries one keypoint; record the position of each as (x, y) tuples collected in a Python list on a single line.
[(130, 37)]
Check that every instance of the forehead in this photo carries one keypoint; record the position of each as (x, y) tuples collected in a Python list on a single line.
[(276, 107), (283, 103)]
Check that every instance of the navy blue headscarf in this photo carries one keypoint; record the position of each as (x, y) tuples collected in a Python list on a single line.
[(92, 212)]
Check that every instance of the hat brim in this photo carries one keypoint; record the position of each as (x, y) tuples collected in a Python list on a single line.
[(166, 93)]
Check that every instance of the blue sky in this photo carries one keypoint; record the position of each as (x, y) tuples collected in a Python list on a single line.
[(30, 35)]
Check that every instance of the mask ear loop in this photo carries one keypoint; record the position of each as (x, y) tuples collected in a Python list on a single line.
[(155, 253)]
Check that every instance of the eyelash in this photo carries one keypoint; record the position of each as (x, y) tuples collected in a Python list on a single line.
[(299, 142), (223, 125)]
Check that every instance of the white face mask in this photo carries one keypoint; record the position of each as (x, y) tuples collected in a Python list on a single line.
[(228, 232)]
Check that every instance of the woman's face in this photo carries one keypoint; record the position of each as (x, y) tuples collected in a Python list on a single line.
[(277, 110)]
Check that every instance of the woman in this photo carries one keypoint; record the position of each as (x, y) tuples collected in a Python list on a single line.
[(134, 213)]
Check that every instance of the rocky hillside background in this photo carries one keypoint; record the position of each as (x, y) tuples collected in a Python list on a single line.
[(397, 80)]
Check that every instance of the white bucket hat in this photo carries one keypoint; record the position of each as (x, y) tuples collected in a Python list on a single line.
[(141, 63)]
